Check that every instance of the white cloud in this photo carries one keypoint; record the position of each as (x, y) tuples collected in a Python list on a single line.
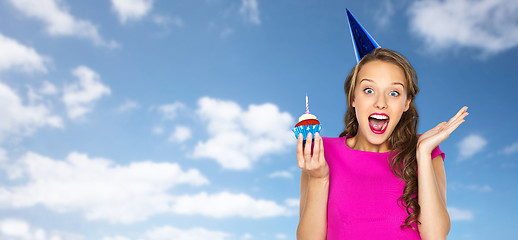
[(457, 214), (281, 236), (116, 238), (21, 120), (511, 149), (237, 137), (170, 111), (384, 13), (478, 188), (226, 33), (281, 174), (172, 233), (3, 156), (15, 229), (470, 145), (180, 134), (48, 89), (14, 55), (131, 9), (487, 25), (250, 11), (127, 106), (165, 20), (292, 202), (246, 236), (473, 187), (157, 130), (38, 95), (96, 187), (80, 97), (59, 22), (224, 204), (99, 189)]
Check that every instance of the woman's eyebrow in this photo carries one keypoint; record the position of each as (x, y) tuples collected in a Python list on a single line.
[(394, 83), (366, 79)]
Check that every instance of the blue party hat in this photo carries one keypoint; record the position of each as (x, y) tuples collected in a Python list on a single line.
[(363, 42)]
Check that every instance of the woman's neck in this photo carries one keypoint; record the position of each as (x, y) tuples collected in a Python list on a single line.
[(361, 144)]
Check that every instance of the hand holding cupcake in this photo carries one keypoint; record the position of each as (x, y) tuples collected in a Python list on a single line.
[(308, 123)]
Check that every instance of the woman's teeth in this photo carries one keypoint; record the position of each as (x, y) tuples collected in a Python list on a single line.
[(379, 117), (378, 123)]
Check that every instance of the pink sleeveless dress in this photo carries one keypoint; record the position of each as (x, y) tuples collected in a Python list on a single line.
[(363, 195)]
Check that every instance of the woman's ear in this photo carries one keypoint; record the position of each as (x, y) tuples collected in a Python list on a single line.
[(407, 104)]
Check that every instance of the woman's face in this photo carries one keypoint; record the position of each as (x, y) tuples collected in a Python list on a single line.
[(379, 100)]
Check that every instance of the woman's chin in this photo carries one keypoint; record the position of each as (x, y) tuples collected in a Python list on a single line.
[(377, 138)]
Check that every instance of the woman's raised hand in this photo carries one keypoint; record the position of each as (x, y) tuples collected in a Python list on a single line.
[(431, 139), (313, 162)]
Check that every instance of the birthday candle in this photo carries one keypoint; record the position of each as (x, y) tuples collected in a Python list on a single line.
[(307, 108)]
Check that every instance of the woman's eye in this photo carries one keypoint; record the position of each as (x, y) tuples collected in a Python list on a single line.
[(394, 93), (368, 90)]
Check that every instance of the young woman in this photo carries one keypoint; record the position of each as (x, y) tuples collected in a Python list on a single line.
[(379, 179)]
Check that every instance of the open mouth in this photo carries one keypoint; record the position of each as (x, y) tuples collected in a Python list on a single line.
[(378, 122)]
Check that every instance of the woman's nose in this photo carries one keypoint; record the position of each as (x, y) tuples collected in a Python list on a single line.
[(380, 102)]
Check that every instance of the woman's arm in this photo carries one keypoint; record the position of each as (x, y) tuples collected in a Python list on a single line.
[(313, 221), (434, 217), (314, 188), (304, 179)]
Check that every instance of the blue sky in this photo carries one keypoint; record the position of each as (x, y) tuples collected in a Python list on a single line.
[(148, 119)]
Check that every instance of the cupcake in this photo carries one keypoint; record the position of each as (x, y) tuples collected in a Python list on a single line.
[(308, 123)]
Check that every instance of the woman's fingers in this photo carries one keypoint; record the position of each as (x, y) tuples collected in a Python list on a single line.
[(464, 115), (460, 118), (440, 125), (459, 113), (300, 152), (307, 149), (310, 157), (321, 158), (442, 131), (452, 125), (316, 150), (456, 124)]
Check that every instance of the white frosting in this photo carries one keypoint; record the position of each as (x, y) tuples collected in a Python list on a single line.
[(306, 116)]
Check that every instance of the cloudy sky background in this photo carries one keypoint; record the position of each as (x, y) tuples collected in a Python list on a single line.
[(143, 119)]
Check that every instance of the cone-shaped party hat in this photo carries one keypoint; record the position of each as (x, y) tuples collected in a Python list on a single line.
[(363, 42)]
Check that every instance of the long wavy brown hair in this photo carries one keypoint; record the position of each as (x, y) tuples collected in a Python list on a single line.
[(403, 141)]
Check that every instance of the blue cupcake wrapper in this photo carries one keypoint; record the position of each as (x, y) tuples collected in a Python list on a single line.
[(305, 129)]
